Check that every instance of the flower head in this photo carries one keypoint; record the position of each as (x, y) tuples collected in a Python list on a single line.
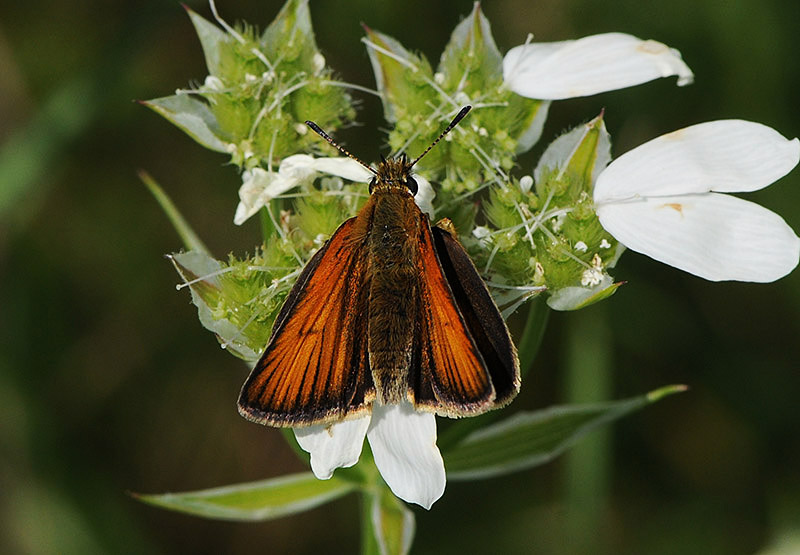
[(403, 442), (663, 199)]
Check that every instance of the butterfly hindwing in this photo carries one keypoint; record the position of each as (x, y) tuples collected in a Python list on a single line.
[(315, 368), (452, 378), (483, 319)]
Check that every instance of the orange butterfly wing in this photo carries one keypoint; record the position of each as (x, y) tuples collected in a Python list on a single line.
[(483, 319), (451, 375), (315, 368)]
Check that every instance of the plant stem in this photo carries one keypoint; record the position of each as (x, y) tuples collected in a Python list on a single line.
[(588, 378)]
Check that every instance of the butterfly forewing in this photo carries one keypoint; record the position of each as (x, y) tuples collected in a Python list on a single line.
[(315, 368)]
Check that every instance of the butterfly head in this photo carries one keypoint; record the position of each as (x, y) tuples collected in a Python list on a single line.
[(393, 174)]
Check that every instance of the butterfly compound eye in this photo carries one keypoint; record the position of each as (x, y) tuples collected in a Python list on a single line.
[(411, 183)]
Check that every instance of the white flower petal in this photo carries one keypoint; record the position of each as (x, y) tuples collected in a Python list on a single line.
[(298, 167), (594, 64), (333, 446), (425, 195), (714, 236), (721, 156), (404, 445), (346, 168), (251, 193)]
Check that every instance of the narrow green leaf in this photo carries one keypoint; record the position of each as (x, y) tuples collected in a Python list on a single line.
[(190, 239), (392, 523), (192, 116), (262, 500), (533, 438)]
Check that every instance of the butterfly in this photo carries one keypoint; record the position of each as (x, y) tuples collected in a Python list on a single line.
[(391, 309)]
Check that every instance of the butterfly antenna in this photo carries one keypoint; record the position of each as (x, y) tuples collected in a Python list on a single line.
[(341, 149), (459, 116)]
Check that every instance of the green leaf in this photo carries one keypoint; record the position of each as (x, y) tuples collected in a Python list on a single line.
[(290, 36), (192, 116), (392, 523), (533, 438), (582, 153), (190, 239), (262, 500), (530, 122)]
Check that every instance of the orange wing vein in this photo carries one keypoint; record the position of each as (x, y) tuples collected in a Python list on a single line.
[(315, 368)]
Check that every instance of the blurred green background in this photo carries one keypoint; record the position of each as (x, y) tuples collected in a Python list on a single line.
[(108, 383)]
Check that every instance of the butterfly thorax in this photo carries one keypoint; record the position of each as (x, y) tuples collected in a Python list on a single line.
[(394, 269)]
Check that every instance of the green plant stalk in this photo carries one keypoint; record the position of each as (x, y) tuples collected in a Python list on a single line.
[(372, 481), (587, 467)]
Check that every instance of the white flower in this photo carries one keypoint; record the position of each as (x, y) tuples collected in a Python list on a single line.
[(425, 195), (259, 186), (525, 183), (663, 199), (591, 65), (403, 443)]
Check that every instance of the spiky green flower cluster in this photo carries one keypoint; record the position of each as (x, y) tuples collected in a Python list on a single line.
[(527, 234), (420, 102), (548, 234), (259, 90)]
